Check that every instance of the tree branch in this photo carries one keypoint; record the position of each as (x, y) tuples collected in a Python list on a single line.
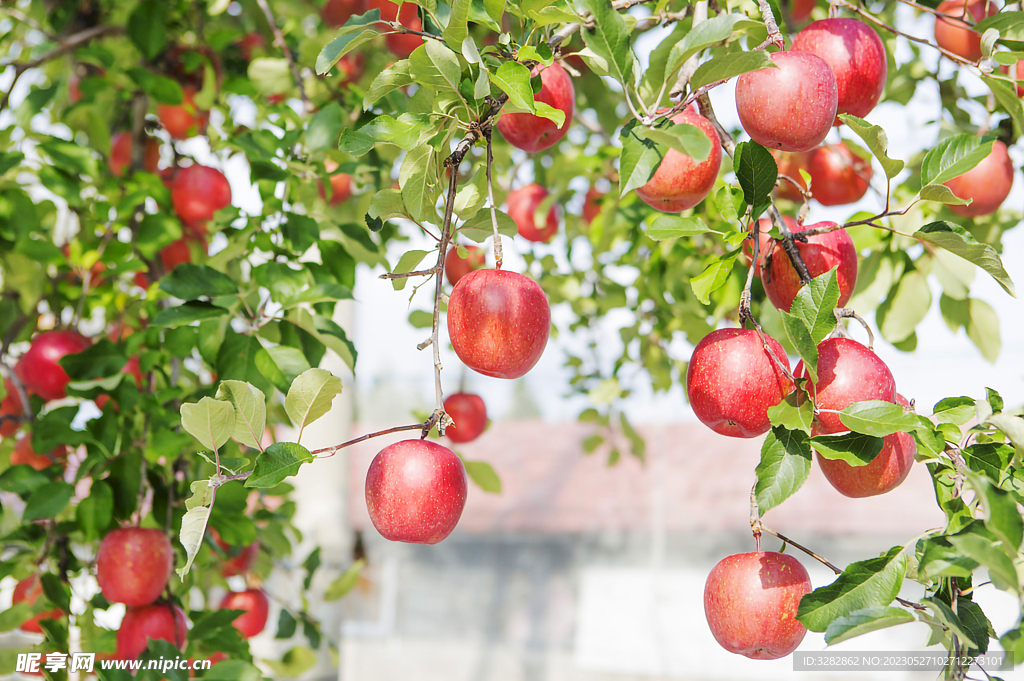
[(406, 275), (279, 40)]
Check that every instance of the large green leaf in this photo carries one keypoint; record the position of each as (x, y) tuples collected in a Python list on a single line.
[(756, 171), (436, 66), (310, 396), (860, 622), (879, 418), (713, 277), (877, 141), (514, 80), (953, 157), (47, 501), (609, 39), (191, 282), (731, 65), (250, 411), (785, 464), (872, 583), (457, 30), (277, 462), (853, 448), (958, 240), (706, 34), (639, 160), (685, 138), (356, 31), (209, 421)]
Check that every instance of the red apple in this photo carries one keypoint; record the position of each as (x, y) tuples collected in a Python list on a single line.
[(240, 559), (732, 381), (764, 239), (848, 372), (24, 454), (498, 322), (856, 56), (133, 565), (790, 164), (533, 133), (12, 408), (336, 12), (469, 413), (821, 253), (957, 37), (680, 182), (400, 44), (415, 491), (121, 153), (592, 204), (199, 192), (351, 66), (39, 368), (341, 184), (183, 120), (256, 606), (800, 10), (30, 589), (885, 472), (456, 267), (132, 368), (74, 92), (159, 622), (522, 208), (791, 107), (172, 255), (838, 176), (250, 42), (986, 184), (751, 601)]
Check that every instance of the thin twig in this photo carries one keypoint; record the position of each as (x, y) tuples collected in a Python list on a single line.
[(847, 313), (774, 35), (406, 275), (490, 197), (279, 40)]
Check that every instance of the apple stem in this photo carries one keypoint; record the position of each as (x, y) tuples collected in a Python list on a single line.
[(789, 247), (398, 28), (774, 35), (490, 197), (279, 40), (847, 313)]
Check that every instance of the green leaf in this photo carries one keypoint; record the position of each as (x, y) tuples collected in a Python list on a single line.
[(953, 157), (1009, 24), (47, 501), (14, 616), (250, 411), (483, 476), (147, 27), (270, 75), (879, 418), (1006, 94), (941, 559), (340, 587), (730, 65), (959, 241), (685, 138), (74, 158), (418, 180), (905, 308), (94, 513), (10, 159), (191, 282), (639, 160), (785, 464), (457, 30), (872, 583), (814, 306), (286, 625), (794, 412), (99, 360), (281, 365), (958, 410), (387, 204), (853, 448), (609, 39), (514, 80), (756, 171), (667, 226), (355, 32), (945, 615), (704, 35), (1002, 517), (325, 128), (209, 421), (983, 329), (940, 193), (407, 263), (436, 66), (479, 227), (877, 141), (277, 462), (860, 622), (233, 670), (713, 277), (390, 79), (409, 131), (183, 315), (193, 527), (310, 396)]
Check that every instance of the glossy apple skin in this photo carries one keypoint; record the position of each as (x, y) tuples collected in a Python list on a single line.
[(400, 44), (886, 472), (39, 368), (183, 120), (790, 164), (838, 176), (856, 56), (792, 107), (121, 153), (681, 183), (415, 491), (848, 372), (821, 253), (469, 413), (751, 601), (522, 207), (987, 183), (24, 454), (133, 565), (731, 382), (160, 622), (533, 133), (765, 241), (456, 267), (199, 192), (256, 606), (10, 406), (955, 36), (498, 322), (341, 184), (800, 10), (30, 589), (336, 12), (592, 204)]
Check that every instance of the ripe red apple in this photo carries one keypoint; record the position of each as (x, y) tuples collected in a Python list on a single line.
[(121, 153), (160, 622), (469, 413), (336, 12), (248, 43), (522, 208), (956, 36), (171, 256), (987, 184), (751, 601), (341, 184), (39, 368), (133, 565), (765, 241), (199, 192), (838, 176), (400, 44), (885, 472), (498, 322), (856, 56), (800, 10), (256, 606), (30, 589), (24, 454), (680, 182), (456, 267), (732, 381), (790, 164), (240, 559), (74, 92), (533, 133), (12, 407), (848, 372), (415, 491), (183, 120), (351, 67), (792, 107), (821, 253), (592, 204)]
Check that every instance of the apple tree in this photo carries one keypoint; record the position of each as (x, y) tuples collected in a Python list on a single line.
[(155, 326)]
